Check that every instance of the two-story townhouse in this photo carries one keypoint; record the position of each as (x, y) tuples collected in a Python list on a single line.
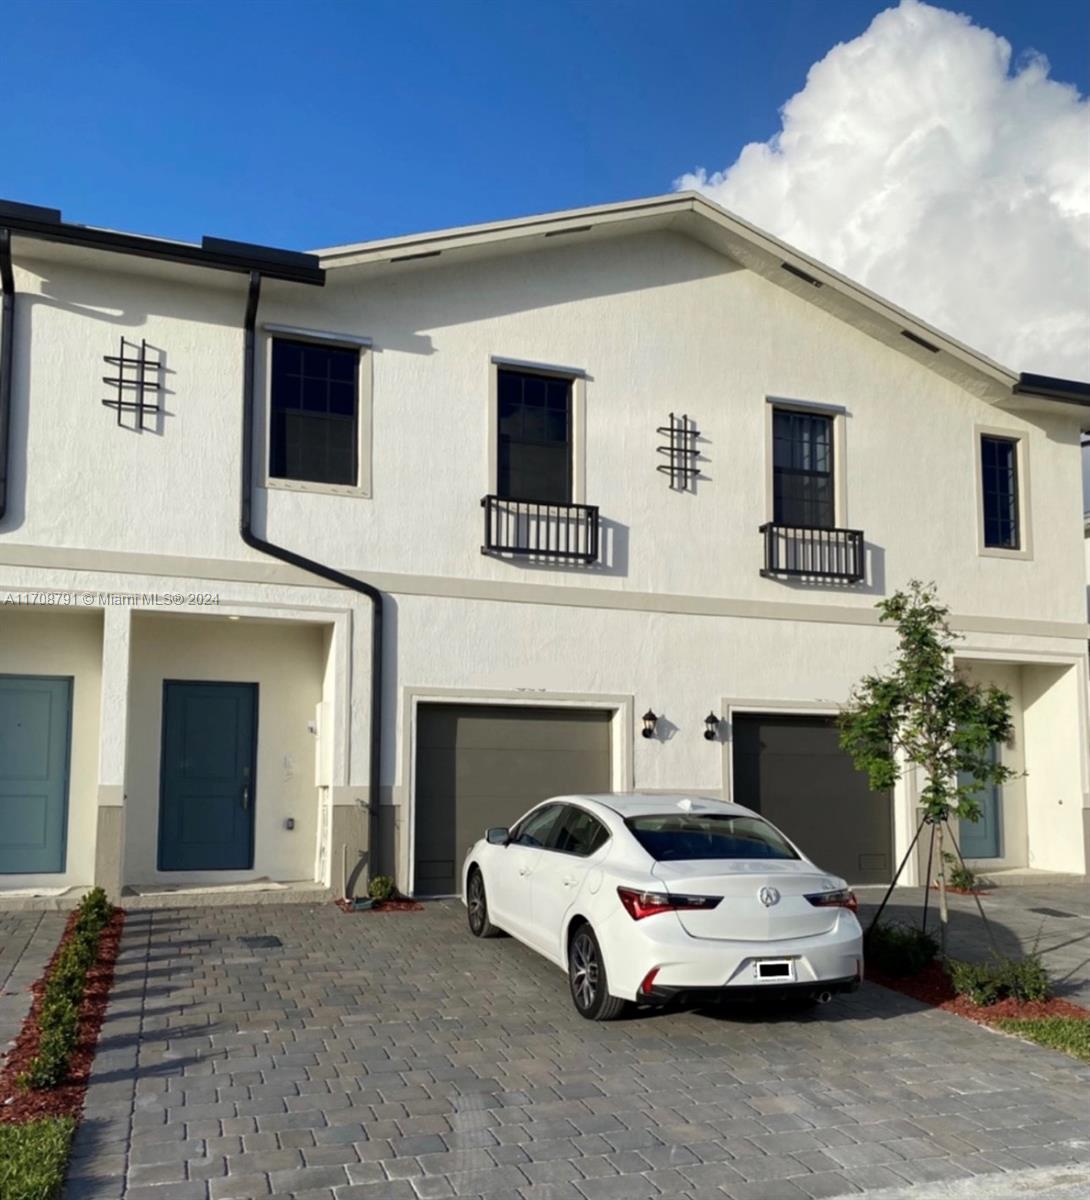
[(314, 564)]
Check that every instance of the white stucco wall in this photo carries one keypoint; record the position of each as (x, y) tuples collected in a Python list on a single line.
[(1054, 697), (677, 617), (64, 644), (658, 322)]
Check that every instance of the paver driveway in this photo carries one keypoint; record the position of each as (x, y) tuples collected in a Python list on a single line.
[(390, 1055), (27, 942)]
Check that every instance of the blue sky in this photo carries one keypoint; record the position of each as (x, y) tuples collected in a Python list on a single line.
[(311, 124)]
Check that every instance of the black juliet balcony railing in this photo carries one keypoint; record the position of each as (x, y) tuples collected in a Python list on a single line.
[(541, 531), (817, 553)]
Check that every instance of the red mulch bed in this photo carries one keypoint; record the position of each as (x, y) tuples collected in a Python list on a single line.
[(66, 1100), (380, 906), (953, 891), (932, 986)]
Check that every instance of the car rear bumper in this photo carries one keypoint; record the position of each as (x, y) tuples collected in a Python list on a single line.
[(683, 963), (772, 992)]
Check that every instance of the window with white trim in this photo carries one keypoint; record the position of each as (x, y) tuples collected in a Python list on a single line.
[(999, 492), (314, 412)]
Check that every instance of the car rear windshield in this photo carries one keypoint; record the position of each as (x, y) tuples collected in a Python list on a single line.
[(676, 837)]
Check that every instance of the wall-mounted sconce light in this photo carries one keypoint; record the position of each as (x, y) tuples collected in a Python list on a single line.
[(650, 720), (711, 727)]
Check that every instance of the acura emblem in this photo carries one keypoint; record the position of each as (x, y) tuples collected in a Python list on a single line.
[(768, 896)]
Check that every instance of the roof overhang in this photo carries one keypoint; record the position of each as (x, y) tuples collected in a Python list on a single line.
[(45, 224), (694, 215)]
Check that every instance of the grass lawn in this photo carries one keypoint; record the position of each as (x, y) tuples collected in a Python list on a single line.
[(33, 1157), (1069, 1034)]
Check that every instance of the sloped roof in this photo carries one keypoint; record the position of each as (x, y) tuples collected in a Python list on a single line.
[(694, 215)]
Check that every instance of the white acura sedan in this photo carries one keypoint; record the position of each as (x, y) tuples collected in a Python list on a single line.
[(646, 898)]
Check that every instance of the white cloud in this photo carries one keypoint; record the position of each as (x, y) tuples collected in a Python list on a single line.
[(915, 161)]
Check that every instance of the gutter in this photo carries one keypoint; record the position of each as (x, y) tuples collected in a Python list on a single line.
[(7, 286), (45, 224), (249, 376), (1070, 391)]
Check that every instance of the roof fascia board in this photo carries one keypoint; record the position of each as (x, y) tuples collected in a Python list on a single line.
[(26, 221), (882, 308), (500, 231), (434, 243)]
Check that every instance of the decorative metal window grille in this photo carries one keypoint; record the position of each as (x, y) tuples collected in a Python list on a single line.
[(138, 381), (681, 452)]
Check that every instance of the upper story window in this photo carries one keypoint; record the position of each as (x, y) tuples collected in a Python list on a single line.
[(534, 422), (314, 412), (999, 492), (803, 481)]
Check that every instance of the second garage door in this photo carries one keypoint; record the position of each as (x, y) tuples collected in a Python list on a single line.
[(482, 765), (792, 770)]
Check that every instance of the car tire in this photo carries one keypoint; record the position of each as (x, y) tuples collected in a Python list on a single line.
[(477, 907), (587, 978)]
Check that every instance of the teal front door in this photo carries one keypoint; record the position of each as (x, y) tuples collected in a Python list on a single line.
[(206, 797), (35, 724), (980, 839)]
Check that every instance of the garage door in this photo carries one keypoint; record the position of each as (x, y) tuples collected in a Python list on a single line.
[(792, 770), (482, 765)]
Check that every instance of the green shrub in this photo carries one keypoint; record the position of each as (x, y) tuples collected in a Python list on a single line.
[(977, 982), (382, 888), (1027, 979), (958, 874), (93, 912), (1000, 978), (58, 1015), (33, 1158), (897, 949)]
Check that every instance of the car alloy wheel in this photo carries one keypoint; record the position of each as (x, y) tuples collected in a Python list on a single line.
[(480, 924), (585, 970), (587, 977)]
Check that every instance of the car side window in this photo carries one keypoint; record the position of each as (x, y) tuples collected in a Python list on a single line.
[(535, 829), (577, 832)]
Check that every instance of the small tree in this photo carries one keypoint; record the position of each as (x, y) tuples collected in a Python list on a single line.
[(923, 712)]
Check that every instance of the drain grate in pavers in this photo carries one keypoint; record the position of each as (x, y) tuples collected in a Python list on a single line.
[(261, 941), (1051, 912)]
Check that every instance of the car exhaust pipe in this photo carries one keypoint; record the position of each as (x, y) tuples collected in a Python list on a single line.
[(824, 997)]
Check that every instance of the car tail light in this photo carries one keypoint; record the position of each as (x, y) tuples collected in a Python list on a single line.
[(646, 904), (649, 981), (841, 898)]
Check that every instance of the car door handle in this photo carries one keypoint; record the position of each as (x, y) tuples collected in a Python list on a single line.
[(245, 796), (524, 870), (569, 881)]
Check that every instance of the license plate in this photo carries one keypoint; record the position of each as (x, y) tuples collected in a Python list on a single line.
[(774, 970)]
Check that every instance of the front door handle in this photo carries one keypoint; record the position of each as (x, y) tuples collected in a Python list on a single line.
[(524, 870), (245, 796), (569, 881)]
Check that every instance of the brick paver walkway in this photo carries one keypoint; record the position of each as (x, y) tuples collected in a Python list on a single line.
[(392, 1056), (27, 942)]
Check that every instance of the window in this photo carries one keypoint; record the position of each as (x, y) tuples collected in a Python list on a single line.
[(999, 492), (577, 832), (681, 837), (535, 829), (803, 486), (534, 455), (314, 412)]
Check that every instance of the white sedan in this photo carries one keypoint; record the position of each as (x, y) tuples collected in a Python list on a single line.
[(646, 898)]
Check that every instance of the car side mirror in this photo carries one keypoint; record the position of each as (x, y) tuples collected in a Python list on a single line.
[(497, 836)]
